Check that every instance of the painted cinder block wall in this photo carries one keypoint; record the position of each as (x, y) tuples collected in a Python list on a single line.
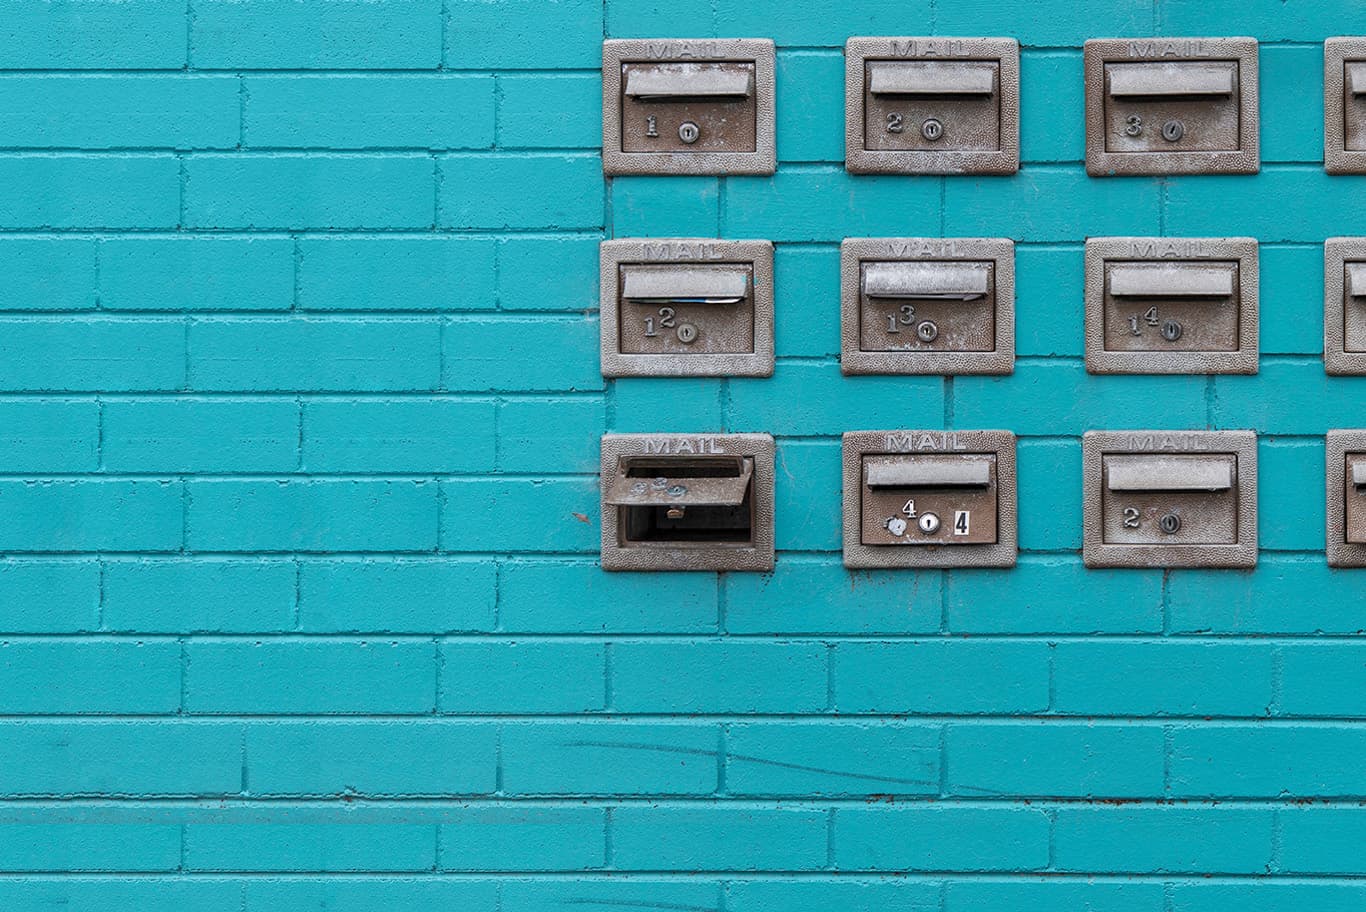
[(299, 410)]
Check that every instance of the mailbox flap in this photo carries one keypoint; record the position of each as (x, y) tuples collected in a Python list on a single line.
[(1356, 78), (966, 471), (689, 80), (1163, 472), (941, 280), (1359, 472), (715, 482), (1356, 279), (962, 77), (1166, 280), (686, 285), (1172, 78)]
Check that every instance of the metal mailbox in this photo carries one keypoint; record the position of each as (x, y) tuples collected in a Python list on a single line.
[(1171, 305), (1344, 305), (687, 502), (1346, 498), (1169, 498), (686, 307), (1344, 105), (1171, 106), (929, 499), (675, 106), (932, 105), (927, 306)]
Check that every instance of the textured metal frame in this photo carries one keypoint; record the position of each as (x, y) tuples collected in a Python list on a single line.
[(613, 254), (1337, 158), (1243, 360), (1102, 163), (859, 160), (759, 51), (858, 444), (854, 251), (1340, 552), (758, 556), (1096, 552), (1337, 252)]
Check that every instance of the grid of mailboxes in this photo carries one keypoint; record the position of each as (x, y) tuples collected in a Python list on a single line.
[(701, 307)]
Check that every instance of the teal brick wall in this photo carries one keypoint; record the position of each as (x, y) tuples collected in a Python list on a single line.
[(299, 416)]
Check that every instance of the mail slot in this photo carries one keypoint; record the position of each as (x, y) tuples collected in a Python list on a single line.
[(1166, 106), (1166, 305), (932, 105), (929, 498), (928, 305), (680, 502), (680, 106), (1169, 498), (1346, 498), (1344, 105), (1355, 498), (687, 307)]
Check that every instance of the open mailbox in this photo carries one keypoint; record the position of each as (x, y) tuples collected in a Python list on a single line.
[(927, 306), (932, 105), (1344, 305), (676, 106), (1344, 105), (686, 307), (674, 502), (1346, 499), (1171, 305), (1171, 106), (929, 499), (1170, 498)]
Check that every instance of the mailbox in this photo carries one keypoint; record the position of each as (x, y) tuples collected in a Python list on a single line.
[(932, 105), (1346, 500), (929, 499), (686, 307), (1344, 105), (1344, 305), (927, 306), (1171, 306), (687, 502), (1169, 498), (676, 106), (1171, 106)]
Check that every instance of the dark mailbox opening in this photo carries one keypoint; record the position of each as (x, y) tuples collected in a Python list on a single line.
[(685, 500)]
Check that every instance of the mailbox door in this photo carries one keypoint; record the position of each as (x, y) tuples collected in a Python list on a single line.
[(1189, 106), (932, 105), (929, 500), (1171, 306), (687, 310), (1171, 106), (927, 306), (688, 107), (686, 307), (1169, 498), (932, 305)]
